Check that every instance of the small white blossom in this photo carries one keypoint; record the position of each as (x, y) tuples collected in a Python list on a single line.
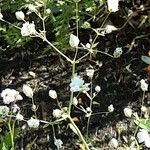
[(58, 143), (19, 117), (113, 143), (88, 45), (32, 8), (34, 108), (74, 41), (27, 90), (28, 29), (57, 113), (110, 28), (143, 136), (20, 15), (144, 85), (75, 101), (1, 16), (88, 112), (4, 110), (113, 5), (53, 94), (10, 95), (15, 108), (143, 109), (48, 11), (33, 123), (90, 72), (77, 84), (111, 108), (118, 52), (97, 89), (127, 112)]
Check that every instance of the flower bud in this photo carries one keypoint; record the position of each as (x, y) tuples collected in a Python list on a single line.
[(75, 101), (53, 94), (74, 41), (118, 52), (19, 15), (90, 72), (19, 117), (110, 108), (144, 85), (128, 112), (97, 89), (143, 109), (113, 5), (48, 11), (27, 91)]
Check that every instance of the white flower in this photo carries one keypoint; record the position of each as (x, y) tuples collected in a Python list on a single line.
[(77, 84), (32, 8), (1, 16), (15, 108), (88, 112), (111, 108), (4, 110), (75, 101), (113, 143), (10, 95), (143, 136), (74, 41), (34, 108), (58, 143), (113, 5), (27, 91), (28, 29), (20, 15), (19, 117), (144, 85), (127, 112), (90, 72), (118, 52), (53, 94), (97, 89), (143, 109), (88, 45), (48, 11), (33, 123), (57, 113), (110, 28)]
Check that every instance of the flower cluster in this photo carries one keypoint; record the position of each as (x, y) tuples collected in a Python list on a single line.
[(143, 136), (113, 5), (28, 29), (33, 123), (77, 84), (4, 110), (10, 95)]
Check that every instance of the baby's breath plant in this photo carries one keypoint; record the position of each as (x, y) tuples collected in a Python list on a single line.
[(70, 11)]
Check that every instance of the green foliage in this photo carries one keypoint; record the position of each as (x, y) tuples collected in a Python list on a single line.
[(12, 36), (143, 123), (6, 141)]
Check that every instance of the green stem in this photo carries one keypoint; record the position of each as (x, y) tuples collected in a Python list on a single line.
[(77, 28), (71, 96), (11, 134), (79, 134), (45, 39)]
